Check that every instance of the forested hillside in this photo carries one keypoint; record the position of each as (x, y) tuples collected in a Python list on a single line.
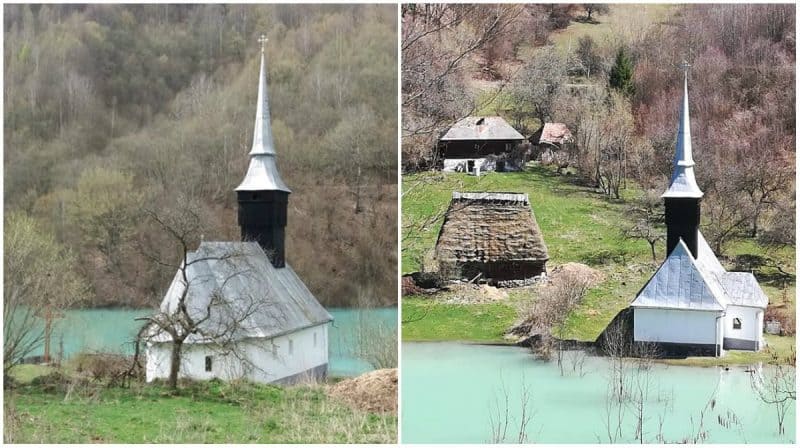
[(612, 75), (113, 113)]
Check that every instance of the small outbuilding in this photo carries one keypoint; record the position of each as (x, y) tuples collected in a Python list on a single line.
[(493, 234), (481, 143), (553, 135)]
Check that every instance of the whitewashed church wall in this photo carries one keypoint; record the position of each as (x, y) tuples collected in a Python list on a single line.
[(677, 326), (261, 360), (288, 355), (751, 324)]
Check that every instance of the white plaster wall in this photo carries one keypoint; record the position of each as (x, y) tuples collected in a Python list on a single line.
[(460, 165), (677, 326), (261, 360), (752, 325)]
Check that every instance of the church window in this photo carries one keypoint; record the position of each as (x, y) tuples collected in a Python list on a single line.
[(208, 363), (737, 323), (315, 339), (291, 346)]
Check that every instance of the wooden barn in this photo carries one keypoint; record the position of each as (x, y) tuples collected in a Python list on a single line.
[(692, 305), (491, 234), (256, 318), (481, 143)]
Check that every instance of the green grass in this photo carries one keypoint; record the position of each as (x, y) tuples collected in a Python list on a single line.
[(210, 412), (623, 20), (782, 346), (428, 320), (578, 225)]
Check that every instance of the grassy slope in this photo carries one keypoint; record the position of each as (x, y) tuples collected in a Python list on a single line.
[(578, 225), (625, 20), (211, 412)]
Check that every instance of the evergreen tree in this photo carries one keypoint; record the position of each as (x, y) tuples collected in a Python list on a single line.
[(621, 76)]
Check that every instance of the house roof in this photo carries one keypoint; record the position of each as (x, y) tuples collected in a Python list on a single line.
[(555, 134), (684, 282), (482, 128), (254, 298), (489, 227)]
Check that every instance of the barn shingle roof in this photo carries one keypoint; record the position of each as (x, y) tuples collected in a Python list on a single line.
[(489, 227)]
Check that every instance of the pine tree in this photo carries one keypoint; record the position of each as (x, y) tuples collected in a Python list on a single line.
[(621, 76)]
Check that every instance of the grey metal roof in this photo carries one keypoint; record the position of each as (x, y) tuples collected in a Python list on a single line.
[(253, 298), (701, 284), (482, 128), (742, 289), (680, 283), (262, 174), (683, 183)]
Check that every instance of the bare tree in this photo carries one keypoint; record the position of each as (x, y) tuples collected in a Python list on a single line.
[(546, 316), (539, 83), (221, 320), (777, 386), (647, 213), (500, 418), (39, 284), (595, 8)]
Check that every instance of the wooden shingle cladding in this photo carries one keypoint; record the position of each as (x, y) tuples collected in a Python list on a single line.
[(495, 234)]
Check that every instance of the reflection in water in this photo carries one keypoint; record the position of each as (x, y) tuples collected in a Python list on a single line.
[(451, 393), (113, 330)]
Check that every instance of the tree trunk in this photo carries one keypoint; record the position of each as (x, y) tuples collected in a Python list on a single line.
[(175, 364)]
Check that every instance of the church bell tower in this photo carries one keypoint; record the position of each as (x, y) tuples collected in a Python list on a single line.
[(682, 198), (262, 195)]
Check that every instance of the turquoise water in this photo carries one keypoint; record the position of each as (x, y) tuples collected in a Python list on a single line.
[(113, 330), (450, 392)]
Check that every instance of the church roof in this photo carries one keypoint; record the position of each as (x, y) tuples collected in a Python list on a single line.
[(482, 128), (683, 282), (683, 183), (680, 283), (489, 227), (262, 174), (252, 297)]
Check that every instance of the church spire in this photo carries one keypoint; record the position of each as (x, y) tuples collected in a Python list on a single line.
[(262, 174), (683, 183)]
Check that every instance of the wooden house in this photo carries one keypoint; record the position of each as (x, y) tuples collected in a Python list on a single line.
[(480, 143)]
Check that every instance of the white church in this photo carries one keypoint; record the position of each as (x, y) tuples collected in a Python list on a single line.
[(266, 325), (692, 304)]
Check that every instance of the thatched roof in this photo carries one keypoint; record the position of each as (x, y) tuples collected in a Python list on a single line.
[(490, 227)]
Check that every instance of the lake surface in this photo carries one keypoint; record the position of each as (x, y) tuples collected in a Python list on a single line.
[(450, 393), (113, 330)]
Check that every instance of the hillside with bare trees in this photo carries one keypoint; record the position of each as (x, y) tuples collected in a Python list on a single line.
[(112, 111)]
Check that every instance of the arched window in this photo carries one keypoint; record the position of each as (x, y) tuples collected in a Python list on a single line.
[(208, 363), (737, 323)]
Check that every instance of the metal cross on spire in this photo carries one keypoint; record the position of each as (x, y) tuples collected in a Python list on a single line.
[(685, 67), (262, 40)]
